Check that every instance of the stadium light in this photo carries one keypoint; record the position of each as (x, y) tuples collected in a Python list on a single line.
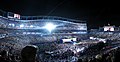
[(12, 25), (21, 25), (31, 25), (50, 26)]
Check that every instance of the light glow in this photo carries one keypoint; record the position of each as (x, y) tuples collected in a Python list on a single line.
[(50, 27), (12, 25), (21, 25)]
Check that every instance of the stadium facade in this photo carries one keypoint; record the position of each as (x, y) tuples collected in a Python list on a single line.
[(42, 25)]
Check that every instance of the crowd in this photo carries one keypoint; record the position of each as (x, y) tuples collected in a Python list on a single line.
[(11, 49), (107, 35), (107, 56)]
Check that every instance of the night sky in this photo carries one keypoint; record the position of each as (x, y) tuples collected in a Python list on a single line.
[(96, 13)]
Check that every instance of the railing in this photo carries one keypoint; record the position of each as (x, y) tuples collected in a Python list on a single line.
[(49, 17)]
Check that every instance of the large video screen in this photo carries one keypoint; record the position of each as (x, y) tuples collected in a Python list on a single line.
[(108, 28)]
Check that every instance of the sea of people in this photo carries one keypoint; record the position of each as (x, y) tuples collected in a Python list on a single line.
[(11, 50)]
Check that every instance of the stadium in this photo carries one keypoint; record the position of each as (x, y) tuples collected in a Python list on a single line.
[(43, 31), (43, 26), (55, 39)]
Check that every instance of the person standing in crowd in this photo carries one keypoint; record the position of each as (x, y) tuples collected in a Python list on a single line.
[(29, 54)]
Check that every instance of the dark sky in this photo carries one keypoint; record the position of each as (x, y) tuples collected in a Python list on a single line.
[(97, 13)]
